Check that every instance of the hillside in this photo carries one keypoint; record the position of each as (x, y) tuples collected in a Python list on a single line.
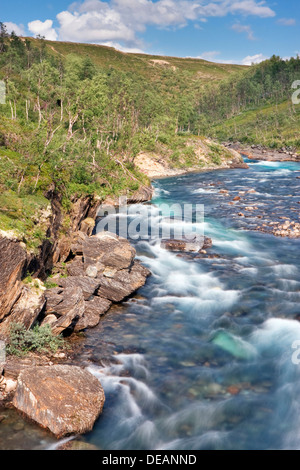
[(148, 66), (255, 107)]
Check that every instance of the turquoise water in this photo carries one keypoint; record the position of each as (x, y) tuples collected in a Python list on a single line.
[(201, 358)]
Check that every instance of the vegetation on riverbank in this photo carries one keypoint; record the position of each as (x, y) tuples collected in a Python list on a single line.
[(255, 107), (39, 339)]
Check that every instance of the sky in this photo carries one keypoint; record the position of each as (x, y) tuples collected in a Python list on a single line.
[(227, 31)]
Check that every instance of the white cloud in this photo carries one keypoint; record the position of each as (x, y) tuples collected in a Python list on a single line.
[(239, 28), (121, 21), (44, 29), (18, 29), (209, 55), (119, 47), (287, 21), (254, 59)]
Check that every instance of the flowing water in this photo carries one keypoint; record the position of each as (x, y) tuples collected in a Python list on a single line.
[(202, 357)]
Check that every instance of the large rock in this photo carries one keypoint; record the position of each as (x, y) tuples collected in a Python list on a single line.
[(94, 309), (27, 309), (87, 284), (76, 267), (12, 261), (106, 249), (64, 399), (123, 283), (102, 271), (70, 309)]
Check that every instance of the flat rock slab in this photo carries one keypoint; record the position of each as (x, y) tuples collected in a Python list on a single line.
[(64, 399), (86, 284)]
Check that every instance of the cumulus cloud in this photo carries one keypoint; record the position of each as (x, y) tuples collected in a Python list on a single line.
[(239, 28), (254, 59), (18, 29), (44, 29), (120, 21)]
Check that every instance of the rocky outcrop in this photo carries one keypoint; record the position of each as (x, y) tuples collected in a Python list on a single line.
[(68, 307), (103, 270), (13, 259), (259, 152), (64, 399), (118, 285)]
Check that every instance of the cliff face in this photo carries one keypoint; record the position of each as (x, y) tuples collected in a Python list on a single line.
[(12, 263), (19, 302)]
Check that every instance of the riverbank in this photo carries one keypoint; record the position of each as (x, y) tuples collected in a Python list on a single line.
[(259, 152), (207, 155)]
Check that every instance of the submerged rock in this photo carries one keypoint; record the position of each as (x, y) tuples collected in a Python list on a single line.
[(233, 345), (64, 399), (187, 245)]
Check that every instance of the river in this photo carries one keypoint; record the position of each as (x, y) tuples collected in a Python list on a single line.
[(202, 357)]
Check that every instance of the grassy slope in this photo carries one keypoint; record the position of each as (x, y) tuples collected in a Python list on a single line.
[(270, 125), (146, 65)]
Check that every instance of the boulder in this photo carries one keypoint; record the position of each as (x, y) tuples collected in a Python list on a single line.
[(70, 309), (54, 297), (106, 249), (124, 283), (87, 284), (76, 267), (64, 399), (12, 262), (102, 271), (186, 244), (94, 309)]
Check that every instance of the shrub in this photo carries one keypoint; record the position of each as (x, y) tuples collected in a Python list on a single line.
[(39, 339)]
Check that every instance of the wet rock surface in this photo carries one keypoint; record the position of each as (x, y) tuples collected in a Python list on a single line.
[(187, 245)]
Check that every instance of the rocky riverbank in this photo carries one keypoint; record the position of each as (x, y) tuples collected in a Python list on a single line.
[(101, 270), (89, 274), (259, 152), (207, 156)]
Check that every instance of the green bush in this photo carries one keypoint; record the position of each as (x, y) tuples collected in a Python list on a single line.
[(39, 339)]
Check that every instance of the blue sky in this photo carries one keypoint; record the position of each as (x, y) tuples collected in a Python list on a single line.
[(234, 31)]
